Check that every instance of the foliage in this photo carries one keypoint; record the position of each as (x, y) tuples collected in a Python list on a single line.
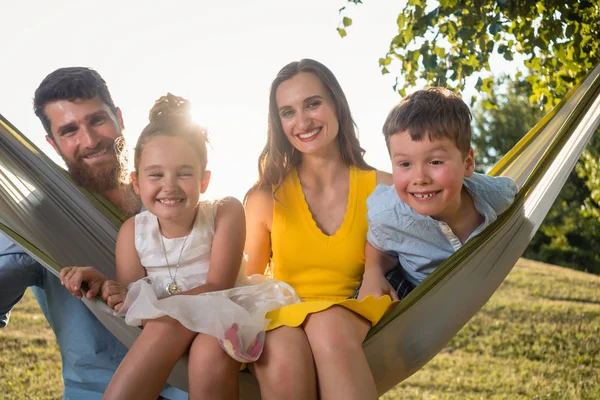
[(500, 119), (446, 41), (443, 42), (570, 233), (571, 229)]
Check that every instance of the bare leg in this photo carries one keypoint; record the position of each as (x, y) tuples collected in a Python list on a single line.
[(212, 373), (285, 370), (147, 365), (335, 336)]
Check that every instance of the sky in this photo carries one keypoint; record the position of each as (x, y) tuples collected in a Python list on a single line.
[(221, 55)]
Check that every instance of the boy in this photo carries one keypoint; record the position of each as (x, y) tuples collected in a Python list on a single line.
[(437, 202)]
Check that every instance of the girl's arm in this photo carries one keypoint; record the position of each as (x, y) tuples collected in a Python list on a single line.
[(259, 219), (227, 247), (129, 266)]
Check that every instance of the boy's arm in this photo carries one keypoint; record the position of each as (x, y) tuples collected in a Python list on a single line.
[(377, 265), (378, 260)]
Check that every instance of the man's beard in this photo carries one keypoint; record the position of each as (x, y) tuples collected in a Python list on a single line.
[(98, 178)]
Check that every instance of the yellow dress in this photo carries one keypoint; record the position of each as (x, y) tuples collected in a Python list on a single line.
[(324, 270)]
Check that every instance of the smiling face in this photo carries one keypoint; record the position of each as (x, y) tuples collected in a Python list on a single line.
[(307, 114), (428, 175), (83, 133), (170, 179)]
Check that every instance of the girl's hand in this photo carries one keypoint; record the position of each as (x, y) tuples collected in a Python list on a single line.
[(114, 293), (375, 284), (73, 277)]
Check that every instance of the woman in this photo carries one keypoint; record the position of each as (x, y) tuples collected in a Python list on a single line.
[(306, 218)]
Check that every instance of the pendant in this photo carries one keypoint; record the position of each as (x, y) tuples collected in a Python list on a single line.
[(173, 287)]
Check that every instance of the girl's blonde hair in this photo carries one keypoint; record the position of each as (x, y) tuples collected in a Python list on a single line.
[(170, 116)]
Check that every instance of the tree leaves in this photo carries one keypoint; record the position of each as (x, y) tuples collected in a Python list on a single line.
[(444, 42), (570, 233), (453, 39)]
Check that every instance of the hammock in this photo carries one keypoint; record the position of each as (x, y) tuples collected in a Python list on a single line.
[(59, 224)]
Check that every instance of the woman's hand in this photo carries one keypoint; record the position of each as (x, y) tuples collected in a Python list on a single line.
[(73, 277), (114, 293), (375, 284)]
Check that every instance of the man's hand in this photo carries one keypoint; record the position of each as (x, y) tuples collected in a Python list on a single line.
[(375, 284), (73, 277), (114, 293)]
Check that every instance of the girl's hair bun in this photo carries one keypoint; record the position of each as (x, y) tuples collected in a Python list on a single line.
[(168, 107)]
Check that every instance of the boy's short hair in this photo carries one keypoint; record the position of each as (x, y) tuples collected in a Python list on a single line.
[(70, 83), (436, 112)]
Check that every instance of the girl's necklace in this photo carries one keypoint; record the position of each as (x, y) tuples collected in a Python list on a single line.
[(173, 287)]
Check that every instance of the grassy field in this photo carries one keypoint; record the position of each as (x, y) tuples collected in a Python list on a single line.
[(537, 338)]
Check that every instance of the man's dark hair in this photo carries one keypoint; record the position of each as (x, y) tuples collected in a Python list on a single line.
[(70, 84)]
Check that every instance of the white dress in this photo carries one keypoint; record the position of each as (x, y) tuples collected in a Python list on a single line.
[(235, 316)]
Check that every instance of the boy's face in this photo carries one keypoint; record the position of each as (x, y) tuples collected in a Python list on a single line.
[(428, 175)]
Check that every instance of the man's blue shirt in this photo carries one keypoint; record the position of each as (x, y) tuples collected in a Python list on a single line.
[(90, 353)]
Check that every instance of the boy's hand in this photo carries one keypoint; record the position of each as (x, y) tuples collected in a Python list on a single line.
[(114, 293), (73, 277), (375, 284)]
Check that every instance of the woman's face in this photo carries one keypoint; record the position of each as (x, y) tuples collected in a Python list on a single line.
[(307, 114)]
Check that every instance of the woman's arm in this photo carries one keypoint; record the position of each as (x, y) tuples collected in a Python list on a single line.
[(227, 247), (259, 218)]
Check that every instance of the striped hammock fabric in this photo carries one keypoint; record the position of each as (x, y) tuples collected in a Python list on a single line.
[(60, 224)]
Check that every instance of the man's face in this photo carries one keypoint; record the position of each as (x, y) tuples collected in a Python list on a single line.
[(83, 133)]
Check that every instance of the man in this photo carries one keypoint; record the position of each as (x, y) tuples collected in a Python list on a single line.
[(82, 123)]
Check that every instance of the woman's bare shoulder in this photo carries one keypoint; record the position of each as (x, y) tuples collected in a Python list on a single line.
[(384, 178), (259, 202)]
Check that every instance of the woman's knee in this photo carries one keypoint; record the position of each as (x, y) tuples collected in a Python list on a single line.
[(286, 359), (336, 333)]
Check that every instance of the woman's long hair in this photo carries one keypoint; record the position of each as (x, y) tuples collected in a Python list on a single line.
[(279, 156)]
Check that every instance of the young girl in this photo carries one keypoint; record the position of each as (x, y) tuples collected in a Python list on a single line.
[(178, 257)]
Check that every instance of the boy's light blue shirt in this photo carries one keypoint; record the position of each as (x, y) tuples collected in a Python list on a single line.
[(422, 243), (90, 353)]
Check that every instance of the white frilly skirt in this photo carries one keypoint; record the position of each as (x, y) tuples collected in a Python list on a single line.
[(236, 317)]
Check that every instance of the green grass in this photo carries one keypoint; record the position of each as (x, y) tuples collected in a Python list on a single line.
[(537, 338), (30, 366)]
